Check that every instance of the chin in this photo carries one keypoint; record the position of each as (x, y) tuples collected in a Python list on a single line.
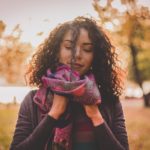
[(82, 73)]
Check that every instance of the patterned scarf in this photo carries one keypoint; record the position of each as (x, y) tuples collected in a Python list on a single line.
[(64, 81)]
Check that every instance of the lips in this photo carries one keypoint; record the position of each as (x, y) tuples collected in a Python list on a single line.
[(77, 66)]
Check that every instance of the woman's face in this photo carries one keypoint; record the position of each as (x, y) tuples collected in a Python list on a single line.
[(84, 51)]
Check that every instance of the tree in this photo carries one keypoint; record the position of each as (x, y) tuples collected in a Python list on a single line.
[(133, 29), (2, 28), (13, 54)]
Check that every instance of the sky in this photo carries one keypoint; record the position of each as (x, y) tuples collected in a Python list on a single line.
[(35, 16)]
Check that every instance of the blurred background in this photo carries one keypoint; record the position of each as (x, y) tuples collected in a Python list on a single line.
[(25, 24)]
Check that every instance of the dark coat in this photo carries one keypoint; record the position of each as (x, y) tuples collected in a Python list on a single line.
[(30, 134)]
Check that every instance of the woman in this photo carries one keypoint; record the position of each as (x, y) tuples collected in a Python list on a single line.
[(77, 105)]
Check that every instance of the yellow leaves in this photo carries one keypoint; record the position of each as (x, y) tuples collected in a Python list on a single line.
[(143, 13), (39, 33), (127, 1), (132, 31), (13, 54), (2, 27)]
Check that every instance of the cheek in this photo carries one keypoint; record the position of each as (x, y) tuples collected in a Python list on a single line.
[(89, 60), (64, 56)]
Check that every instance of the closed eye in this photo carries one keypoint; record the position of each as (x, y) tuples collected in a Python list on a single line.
[(88, 50), (68, 47), (87, 47)]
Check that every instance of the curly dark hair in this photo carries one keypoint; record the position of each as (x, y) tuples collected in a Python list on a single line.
[(105, 67)]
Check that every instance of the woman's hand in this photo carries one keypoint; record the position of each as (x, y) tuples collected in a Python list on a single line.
[(94, 114), (58, 107)]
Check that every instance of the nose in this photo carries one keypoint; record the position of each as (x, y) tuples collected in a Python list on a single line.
[(78, 53)]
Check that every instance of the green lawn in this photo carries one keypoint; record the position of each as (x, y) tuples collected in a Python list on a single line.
[(137, 122)]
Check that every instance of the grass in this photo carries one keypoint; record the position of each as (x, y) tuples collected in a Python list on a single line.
[(137, 123), (8, 116)]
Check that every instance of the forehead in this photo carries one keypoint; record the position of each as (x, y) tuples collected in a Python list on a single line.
[(68, 35), (83, 35)]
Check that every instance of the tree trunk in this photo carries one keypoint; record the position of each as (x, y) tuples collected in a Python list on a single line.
[(137, 75)]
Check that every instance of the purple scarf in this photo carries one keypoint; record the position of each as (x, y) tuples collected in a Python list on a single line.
[(65, 81)]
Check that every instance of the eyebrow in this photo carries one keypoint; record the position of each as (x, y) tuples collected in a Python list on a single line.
[(86, 43), (68, 41)]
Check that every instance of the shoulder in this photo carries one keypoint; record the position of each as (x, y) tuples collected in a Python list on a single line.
[(27, 111), (27, 102)]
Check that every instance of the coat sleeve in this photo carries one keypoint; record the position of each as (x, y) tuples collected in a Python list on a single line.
[(115, 138), (27, 138)]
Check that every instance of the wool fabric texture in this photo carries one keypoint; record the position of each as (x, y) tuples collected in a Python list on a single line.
[(67, 82)]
